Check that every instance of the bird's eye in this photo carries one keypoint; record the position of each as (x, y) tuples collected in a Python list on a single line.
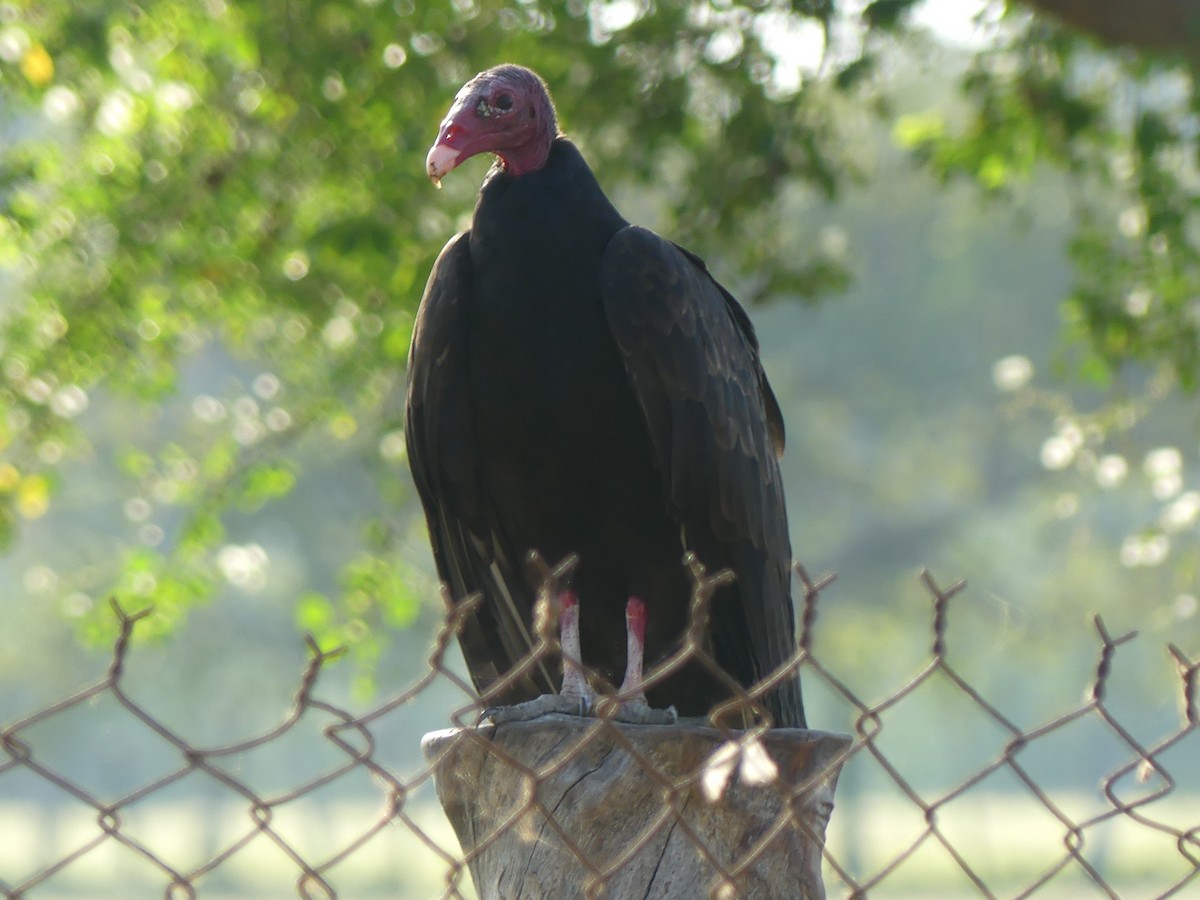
[(504, 101)]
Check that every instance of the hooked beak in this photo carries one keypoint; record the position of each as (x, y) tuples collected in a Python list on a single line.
[(441, 159), (448, 150)]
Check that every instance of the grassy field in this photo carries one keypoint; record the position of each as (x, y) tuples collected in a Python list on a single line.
[(1008, 841)]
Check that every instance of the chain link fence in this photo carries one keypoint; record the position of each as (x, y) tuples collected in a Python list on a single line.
[(998, 831)]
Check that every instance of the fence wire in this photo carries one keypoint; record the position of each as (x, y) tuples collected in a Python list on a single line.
[(1138, 793)]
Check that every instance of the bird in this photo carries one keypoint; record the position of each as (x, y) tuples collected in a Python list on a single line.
[(580, 387)]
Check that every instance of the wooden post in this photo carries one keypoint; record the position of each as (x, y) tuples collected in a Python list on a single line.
[(564, 807)]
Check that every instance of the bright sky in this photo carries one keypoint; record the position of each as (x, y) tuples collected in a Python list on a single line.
[(953, 20), (798, 44)]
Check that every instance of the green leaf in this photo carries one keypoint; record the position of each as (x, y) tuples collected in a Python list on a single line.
[(886, 14), (265, 482)]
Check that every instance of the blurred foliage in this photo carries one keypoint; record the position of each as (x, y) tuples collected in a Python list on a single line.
[(1124, 126), (177, 176)]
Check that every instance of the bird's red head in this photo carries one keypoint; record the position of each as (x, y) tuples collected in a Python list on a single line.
[(506, 110)]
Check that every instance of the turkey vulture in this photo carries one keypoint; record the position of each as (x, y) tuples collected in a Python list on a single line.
[(580, 385)]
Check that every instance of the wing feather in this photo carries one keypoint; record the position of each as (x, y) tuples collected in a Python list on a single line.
[(692, 359), (468, 546)]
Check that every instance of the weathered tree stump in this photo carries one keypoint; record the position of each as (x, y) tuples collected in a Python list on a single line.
[(564, 807)]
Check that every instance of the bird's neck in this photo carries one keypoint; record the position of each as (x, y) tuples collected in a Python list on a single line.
[(524, 160), (530, 156), (562, 182), (521, 221)]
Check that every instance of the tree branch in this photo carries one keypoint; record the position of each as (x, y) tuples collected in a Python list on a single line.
[(1158, 26)]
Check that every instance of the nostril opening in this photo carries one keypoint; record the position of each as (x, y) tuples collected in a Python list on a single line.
[(451, 133)]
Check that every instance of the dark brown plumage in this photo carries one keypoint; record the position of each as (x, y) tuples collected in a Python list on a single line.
[(581, 385)]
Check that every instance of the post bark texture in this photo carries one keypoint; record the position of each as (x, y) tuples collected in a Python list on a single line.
[(566, 807)]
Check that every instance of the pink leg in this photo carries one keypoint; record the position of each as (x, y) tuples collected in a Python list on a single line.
[(576, 697), (574, 684), (635, 651)]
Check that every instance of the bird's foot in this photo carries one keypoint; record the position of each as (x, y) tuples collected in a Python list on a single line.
[(574, 682), (639, 712), (577, 697), (634, 707), (634, 712), (544, 705)]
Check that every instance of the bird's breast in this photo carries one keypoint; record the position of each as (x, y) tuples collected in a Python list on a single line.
[(561, 437)]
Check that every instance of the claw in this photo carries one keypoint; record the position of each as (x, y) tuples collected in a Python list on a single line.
[(644, 714), (544, 705)]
